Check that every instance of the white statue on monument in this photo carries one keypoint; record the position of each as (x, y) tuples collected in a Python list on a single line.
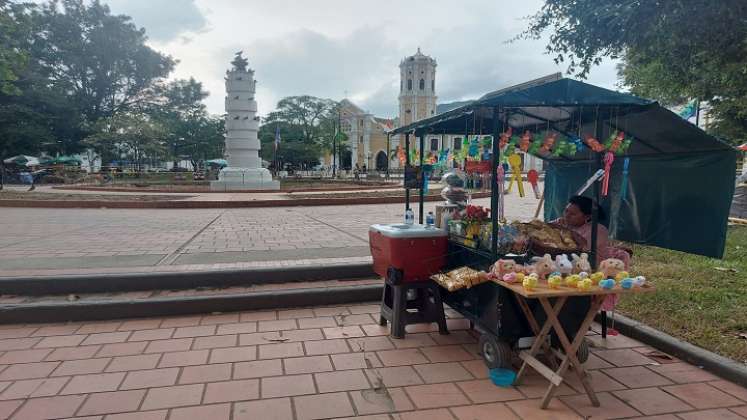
[(244, 170)]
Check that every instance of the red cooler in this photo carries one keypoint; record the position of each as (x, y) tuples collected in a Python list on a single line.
[(416, 250)]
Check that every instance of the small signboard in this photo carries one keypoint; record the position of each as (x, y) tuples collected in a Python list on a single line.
[(413, 177), (477, 166)]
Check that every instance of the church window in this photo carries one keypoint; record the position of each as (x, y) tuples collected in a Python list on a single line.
[(361, 139), (457, 143), (408, 111), (422, 84), (409, 84), (433, 85), (434, 144), (401, 86)]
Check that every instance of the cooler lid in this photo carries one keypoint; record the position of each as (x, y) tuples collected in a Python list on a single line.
[(408, 231)]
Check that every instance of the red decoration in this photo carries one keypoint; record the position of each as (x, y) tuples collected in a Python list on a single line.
[(505, 137), (526, 141)]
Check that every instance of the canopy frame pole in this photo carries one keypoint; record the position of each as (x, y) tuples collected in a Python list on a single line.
[(594, 255), (496, 151), (421, 139), (407, 165)]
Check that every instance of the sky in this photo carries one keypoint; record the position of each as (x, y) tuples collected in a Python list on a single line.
[(348, 48)]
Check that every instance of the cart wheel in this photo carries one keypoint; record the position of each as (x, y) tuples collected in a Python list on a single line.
[(583, 351), (495, 353)]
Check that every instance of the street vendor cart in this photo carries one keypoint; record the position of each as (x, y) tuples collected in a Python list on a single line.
[(652, 172)]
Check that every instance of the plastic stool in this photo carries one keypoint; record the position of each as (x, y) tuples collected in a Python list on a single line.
[(427, 306)]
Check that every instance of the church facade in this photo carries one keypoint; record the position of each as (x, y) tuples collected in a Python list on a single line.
[(367, 134)]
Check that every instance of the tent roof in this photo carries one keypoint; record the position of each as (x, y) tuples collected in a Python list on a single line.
[(571, 107)]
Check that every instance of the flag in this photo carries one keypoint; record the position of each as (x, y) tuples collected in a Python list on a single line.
[(689, 110), (277, 137)]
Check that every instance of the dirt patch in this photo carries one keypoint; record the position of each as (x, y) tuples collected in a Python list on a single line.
[(41, 196)]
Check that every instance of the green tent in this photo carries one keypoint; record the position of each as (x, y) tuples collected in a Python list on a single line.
[(681, 180)]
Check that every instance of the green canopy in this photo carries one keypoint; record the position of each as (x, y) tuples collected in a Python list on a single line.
[(680, 182), (64, 160)]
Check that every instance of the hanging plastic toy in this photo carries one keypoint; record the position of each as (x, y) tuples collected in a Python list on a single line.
[(594, 144), (624, 186), (505, 137), (548, 142), (525, 141), (536, 144), (474, 148), (401, 155), (515, 162), (609, 157), (559, 148), (533, 178), (617, 143)]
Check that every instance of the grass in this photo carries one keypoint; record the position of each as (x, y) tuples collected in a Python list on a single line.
[(699, 300)]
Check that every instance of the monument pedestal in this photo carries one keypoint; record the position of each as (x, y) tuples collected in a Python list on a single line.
[(234, 179)]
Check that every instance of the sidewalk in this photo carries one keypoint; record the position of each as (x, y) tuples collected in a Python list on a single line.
[(320, 363), (49, 242)]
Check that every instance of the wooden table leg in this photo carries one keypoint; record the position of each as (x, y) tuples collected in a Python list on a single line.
[(539, 339), (536, 329), (570, 348)]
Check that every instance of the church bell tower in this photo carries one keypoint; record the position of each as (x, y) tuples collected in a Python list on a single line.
[(417, 88)]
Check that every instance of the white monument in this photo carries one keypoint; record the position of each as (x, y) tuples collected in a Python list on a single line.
[(244, 170)]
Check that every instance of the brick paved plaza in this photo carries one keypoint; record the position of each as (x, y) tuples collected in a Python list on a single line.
[(318, 363), (37, 241)]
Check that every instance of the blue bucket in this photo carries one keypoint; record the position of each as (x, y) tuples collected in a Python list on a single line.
[(502, 377)]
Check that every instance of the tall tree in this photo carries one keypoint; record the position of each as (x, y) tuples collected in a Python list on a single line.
[(14, 30), (135, 136), (99, 58), (192, 132), (671, 50)]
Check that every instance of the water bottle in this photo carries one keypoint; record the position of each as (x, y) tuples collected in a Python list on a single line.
[(409, 217), (429, 220)]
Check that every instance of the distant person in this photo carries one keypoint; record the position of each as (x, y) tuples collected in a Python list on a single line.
[(357, 172)]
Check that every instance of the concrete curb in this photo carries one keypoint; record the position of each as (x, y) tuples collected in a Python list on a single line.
[(108, 283), (712, 362), (183, 204), (198, 191), (101, 310)]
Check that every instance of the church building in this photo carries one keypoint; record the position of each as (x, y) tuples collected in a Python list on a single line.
[(367, 134)]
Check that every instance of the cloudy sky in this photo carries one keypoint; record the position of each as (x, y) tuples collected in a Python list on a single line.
[(339, 48)]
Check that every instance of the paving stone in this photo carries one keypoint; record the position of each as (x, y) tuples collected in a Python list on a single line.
[(270, 409), (84, 384), (28, 371), (73, 353), (624, 357), (637, 377), (381, 400), (323, 406), (530, 409), (702, 395), (401, 357), (652, 401), (436, 395), (274, 351), (357, 360), (715, 414), (484, 391), (233, 354), (212, 412), (184, 358), (311, 364), (228, 391), (49, 407), (112, 402), (683, 373), (443, 372), (173, 396), (285, 386), (257, 369), (127, 363), (326, 347), (344, 380), (484, 412), (151, 378), (610, 407), (33, 388)]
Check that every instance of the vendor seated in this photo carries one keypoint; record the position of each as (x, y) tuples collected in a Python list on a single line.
[(577, 217)]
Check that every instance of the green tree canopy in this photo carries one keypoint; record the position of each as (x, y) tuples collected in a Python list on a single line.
[(671, 50)]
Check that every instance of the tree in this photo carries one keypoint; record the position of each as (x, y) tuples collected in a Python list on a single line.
[(132, 135), (671, 50), (100, 59), (192, 132), (14, 29)]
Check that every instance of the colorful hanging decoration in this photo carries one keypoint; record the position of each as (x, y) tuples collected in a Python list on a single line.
[(624, 187), (474, 147), (525, 141), (609, 157), (548, 142), (505, 137), (533, 178), (401, 155), (594, 144), (515, 162)]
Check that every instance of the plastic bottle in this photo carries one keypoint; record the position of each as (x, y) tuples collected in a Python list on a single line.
[(430, 220), (409, 217)]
